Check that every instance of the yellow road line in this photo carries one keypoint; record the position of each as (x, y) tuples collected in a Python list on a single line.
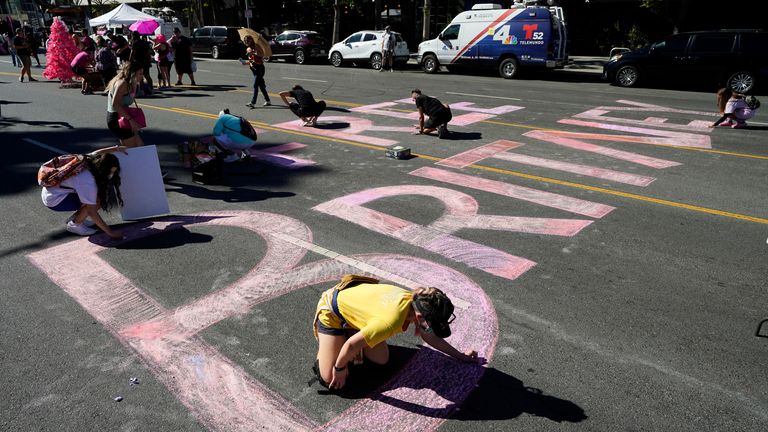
[(625, 194), (606, 191)]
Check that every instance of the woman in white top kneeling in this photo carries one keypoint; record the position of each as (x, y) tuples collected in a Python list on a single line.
[(88, 192)]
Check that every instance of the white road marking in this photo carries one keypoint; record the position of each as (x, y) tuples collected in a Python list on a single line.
[(304, 79), (45, 146), (484, 96)]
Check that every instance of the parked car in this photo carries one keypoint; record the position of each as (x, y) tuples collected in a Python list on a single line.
[(734, 58), (299, 46), (365, 46), (218, 41)]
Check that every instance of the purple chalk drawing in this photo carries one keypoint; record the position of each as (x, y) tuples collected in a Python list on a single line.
[(274, 156)]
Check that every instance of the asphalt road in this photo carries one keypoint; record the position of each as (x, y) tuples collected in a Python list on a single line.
[(614, 278)]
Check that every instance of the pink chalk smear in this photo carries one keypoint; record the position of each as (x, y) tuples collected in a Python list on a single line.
[(559, 138), (220, 393), (274, 156), (549, 199), (353, 132)]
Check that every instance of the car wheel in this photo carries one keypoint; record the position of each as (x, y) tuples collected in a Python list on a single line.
[(336, 59), (299, 57), (430, 63), (627, 76), (742, 82), (376, 61), (215, 53), (508, 68)]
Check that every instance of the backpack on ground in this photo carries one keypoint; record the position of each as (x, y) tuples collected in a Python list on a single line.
[(60, 168), (752, 102)]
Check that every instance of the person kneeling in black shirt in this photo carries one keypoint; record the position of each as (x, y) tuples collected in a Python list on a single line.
[(305, 107), (439, 114)]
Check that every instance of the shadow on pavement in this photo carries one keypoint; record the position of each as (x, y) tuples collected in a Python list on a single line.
[(497, 396), (454, 135), (171, 238), (233, 195), (10, 121)]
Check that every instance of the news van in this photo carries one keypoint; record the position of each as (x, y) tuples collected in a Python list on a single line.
[(508, 40)]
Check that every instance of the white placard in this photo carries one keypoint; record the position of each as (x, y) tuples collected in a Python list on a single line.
[(142, 184)]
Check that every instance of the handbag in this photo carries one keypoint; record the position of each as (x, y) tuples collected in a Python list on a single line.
[(136, 114), (193, 67)]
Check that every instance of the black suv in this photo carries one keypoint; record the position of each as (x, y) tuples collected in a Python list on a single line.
[(299, 46), (735, 58), (217, 41)]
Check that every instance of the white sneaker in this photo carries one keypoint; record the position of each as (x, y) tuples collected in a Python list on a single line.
[(267, 103), (87, 222), (80, 229)]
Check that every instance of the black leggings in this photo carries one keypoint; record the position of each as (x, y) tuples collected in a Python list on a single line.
[(115, 128)]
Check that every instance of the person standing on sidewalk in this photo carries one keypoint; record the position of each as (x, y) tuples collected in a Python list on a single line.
[(255, 60), (23, 52), (388, 41), (182, 51)]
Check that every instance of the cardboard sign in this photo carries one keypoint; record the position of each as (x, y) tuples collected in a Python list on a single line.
[(142, 184)]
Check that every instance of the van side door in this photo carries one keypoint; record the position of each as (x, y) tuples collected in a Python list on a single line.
[(200, 39)]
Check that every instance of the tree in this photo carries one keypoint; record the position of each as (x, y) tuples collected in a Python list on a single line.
[(425, 29), (675, 12), (61, 51)]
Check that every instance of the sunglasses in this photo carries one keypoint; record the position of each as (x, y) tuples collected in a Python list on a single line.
[(429, 330)]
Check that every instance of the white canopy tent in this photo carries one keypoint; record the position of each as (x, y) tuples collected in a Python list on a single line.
[(121, 15)]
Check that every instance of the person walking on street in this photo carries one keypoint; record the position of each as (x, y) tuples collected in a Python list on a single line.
[(182, 51), (164, 60), (388, 41), (305, 107), (121, 93), (8, 41), (34, 45), (255, 60), (23, 52), (141, 54), (355, 318), (439, 114)]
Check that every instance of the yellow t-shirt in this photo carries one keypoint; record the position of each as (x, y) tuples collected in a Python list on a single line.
[(377, 310)]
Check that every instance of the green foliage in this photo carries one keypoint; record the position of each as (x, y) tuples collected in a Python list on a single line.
[(636, 38)]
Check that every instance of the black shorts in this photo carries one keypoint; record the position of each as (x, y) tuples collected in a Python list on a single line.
[(115, 128), (79, 70), (312, 111), (442, 117)]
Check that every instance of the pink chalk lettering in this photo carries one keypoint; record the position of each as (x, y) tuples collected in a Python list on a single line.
[(600, 112), (560, 138), (273, 156), (585, 170), (499, 150), (677, 139), (219, 392), (353, 132), (549, 199), (499, 110), (460, 212), (477, 154), (377, 109), (475, 115)]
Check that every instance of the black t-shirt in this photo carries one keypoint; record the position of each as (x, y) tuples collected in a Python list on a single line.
[(429, 105), (304, 98), (141, 52), (21, 40)]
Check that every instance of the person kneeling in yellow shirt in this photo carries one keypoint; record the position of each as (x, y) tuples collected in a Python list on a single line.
[(373, 312)]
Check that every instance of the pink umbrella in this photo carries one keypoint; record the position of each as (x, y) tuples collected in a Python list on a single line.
[(145, 27)]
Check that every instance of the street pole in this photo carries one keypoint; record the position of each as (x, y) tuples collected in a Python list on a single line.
[(336, 19), (425, 28)]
